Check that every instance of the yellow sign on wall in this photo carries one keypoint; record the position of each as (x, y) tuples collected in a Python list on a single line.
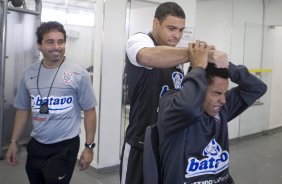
[(260, 70)]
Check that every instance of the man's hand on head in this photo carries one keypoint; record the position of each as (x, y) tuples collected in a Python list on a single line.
[(219, 58), (198, 52)]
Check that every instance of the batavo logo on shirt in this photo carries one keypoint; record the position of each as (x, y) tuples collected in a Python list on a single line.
[(56, 104), (215, 160), (177, 78)]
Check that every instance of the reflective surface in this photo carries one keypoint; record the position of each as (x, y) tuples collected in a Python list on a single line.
[(21, 51)]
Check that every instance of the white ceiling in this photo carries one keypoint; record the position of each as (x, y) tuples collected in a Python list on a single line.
[(90, 4), (80, 4)]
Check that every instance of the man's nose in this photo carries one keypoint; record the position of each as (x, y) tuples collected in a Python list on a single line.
[(178, 34), (222, 99), (56, 45)]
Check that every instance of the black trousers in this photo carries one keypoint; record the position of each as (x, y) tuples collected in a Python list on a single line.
[(131, 167), (51, 163)]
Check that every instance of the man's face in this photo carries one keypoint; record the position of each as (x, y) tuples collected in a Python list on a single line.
[(53, 46), (215, 96), (169, 31)]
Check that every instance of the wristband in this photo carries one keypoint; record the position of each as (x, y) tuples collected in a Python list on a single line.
[(90, 146)]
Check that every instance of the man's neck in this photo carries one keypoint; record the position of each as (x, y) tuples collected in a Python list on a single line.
[(52, 64)]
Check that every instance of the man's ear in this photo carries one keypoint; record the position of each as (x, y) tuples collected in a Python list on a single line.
[(39, 47), (156, 23)]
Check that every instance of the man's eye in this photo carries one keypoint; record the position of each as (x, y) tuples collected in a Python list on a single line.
[(61, 42)]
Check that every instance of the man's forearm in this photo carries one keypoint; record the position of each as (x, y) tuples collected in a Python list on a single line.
[(163, 56), (90, 125), (21, 119), (250, 86)]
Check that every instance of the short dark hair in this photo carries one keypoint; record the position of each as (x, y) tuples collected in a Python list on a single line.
[(169, 8), (47, 27), (212, 71)]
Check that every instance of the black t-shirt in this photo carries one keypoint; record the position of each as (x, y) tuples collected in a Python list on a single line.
[(145, 86)]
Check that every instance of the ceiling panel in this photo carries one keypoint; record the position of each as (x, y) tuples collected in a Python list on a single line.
[(78, 4)]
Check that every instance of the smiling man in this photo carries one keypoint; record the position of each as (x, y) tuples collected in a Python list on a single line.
[(192, 124), (53, 92)]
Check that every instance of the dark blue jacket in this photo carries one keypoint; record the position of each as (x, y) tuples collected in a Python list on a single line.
[(193, 145)]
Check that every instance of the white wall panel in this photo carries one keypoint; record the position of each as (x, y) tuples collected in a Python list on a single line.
[(276, 87)]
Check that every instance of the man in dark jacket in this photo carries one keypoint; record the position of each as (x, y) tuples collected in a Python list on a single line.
[(193, 130)]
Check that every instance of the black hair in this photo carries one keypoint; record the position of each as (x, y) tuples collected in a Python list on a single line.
[(212, 71), (169, 8), (47, 27)]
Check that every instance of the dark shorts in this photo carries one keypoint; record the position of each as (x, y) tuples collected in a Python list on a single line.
[(51, 163), (131, 168)]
